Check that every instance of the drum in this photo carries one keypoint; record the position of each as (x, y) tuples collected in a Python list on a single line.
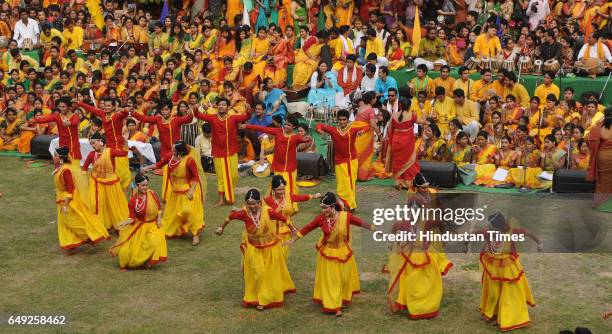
[(552, 66), (437, 66), (28, 44), (525, 64), (472, 63), (591, 66), (496, 65), (508, 65), (485, 63), (538, 66)]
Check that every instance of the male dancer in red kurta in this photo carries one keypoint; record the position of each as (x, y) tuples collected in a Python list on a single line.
[(345, 156), (285, 147), (113, 127), (67, 127), (224, 143)]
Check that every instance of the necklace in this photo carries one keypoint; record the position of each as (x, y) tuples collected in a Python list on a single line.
[(255, 219), (173, 163), (140, 203), (331, 222)]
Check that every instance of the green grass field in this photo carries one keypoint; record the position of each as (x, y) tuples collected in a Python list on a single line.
[(199, 289)]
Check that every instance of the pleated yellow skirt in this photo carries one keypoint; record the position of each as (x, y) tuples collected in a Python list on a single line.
[(419, 286), (140, 244), (182, 215), (78, 226), (265, 272), (335, 283), (122, 168), (109, 203), (505, 291)]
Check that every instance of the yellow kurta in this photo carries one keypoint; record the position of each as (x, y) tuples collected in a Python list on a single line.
[(79, 225), (142, 242)]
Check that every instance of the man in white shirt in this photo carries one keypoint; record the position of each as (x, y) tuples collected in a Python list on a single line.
[(368, 83), (594, 53), (26, 28)]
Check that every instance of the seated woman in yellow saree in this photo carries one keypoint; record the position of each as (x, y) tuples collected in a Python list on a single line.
[(306, 58), (395, 55), (10, 131), (581, 159), (461, 150), (528, 159), (265, 273), (244, 45), (225, 47), (141, 240), (261, 45), (210, 41), (484, 156), (551, 158), (434, 147), (505, 158)]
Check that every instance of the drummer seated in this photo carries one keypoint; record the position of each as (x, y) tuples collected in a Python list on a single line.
[(431, 50), (550, 48), (548, 87), (594, 48), (487, 44)]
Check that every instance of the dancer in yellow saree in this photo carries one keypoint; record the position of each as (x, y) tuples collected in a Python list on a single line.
[(282, 201), (365, 140), (184, 193), (505, 290), (483, 154), (76, 224), (141, 240), (336, 277), (266, 277), (306, 58), (105, 192)]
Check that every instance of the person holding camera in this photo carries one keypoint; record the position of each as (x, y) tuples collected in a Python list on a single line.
[(537, 11)]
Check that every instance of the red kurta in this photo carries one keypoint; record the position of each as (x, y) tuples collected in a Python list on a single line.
[(113, 125), (68, 135), (224, 139), (344, 143), (285, 148), (248, 222), (169, 131), (321, 222)]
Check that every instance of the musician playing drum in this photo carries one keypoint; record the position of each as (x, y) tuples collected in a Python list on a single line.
[(550, 48), (593, 55), (487, 44)]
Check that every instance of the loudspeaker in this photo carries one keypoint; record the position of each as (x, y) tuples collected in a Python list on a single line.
[(571, 181), (39, 145), (311, 164), (441, 174)]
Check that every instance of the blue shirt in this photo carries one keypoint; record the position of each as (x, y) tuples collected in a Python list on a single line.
[(383, 87), (266, 121)]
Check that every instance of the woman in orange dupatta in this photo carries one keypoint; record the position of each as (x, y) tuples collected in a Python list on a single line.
[(365, 142), (306, 58), (600, 167), (401, 153), (278, 58), (225, 47)]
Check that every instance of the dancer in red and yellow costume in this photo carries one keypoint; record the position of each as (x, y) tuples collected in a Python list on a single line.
[(417, 267), (505, 290), (184, 193), (76, 224), (67, 127), (401, 153), (336, 278), (141, 240), (365, 141), (112, 122), (224, 143), (266, 277), (345, 156), (105, 192), (281, 200), (284, 161)]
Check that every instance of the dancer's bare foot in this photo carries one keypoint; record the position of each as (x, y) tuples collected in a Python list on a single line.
[(219, 203), (338, 314), (259, 308), (196, 240)]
